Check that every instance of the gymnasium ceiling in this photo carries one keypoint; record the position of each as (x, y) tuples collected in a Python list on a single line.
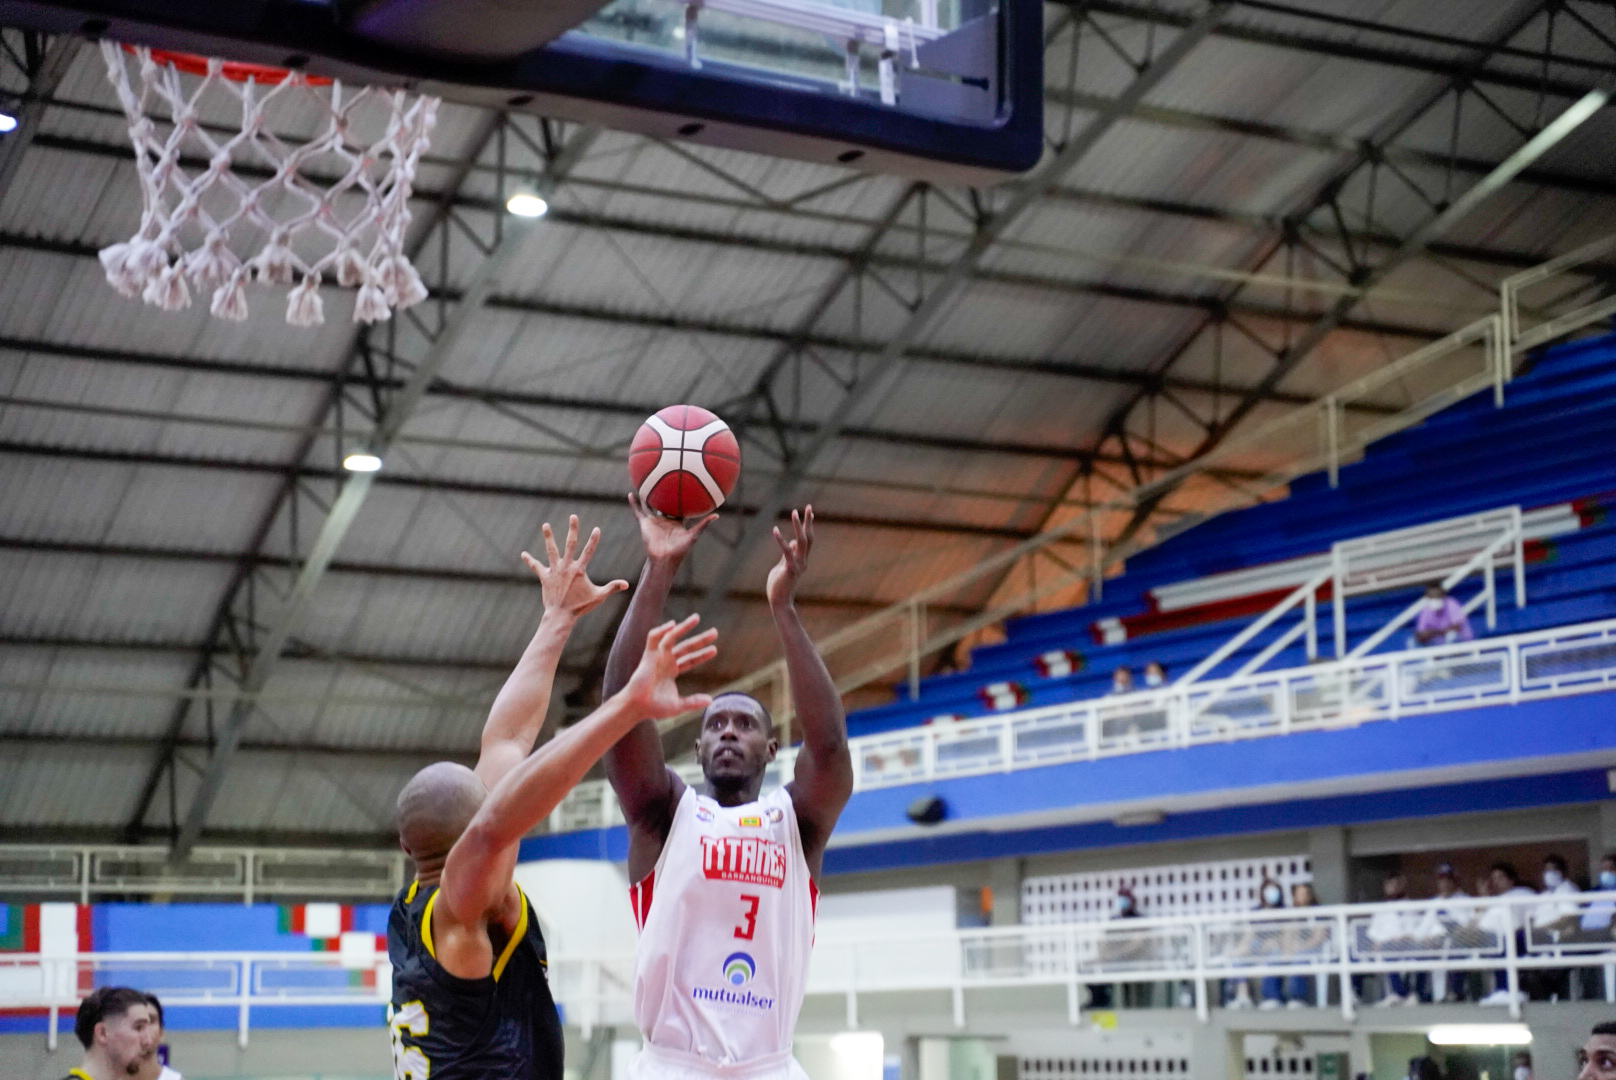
[(162, 475)]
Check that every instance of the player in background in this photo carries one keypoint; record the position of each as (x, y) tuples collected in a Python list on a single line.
[(117, 1026), (471, 997), (155, 1067), (725, 881)]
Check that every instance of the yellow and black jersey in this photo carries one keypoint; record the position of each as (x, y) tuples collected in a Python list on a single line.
[(502, 1027)]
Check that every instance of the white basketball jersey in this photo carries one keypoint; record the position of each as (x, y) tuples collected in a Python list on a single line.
[(726, 925)]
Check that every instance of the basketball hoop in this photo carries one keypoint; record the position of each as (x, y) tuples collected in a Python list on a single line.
[(216, 229)]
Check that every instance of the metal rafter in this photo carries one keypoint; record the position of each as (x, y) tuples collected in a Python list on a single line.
[(1360, 175), (775, 387), (512, 240), (44, 63), (1450, 67)]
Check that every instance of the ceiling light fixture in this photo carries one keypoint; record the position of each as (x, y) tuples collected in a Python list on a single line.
[(361, 461), (7, 122), (1480, 1035), (528, 205)]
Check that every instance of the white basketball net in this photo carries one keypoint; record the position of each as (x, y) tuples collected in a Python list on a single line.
[(218, 231)]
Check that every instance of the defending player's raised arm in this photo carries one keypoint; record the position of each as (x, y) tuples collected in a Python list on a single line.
[(519, 710), (635, 766), (822, 780), (477, 873)]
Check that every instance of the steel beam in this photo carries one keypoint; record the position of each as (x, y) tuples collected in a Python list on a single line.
[(1339, 47), (486, 280), (940, 296), (1361, 274), (47, 65), (667, 321)]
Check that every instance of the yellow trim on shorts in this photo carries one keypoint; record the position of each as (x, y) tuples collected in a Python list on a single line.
[(426, 925), (516, 936)]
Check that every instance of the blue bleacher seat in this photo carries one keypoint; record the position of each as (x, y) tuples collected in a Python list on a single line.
[(1553, 441)]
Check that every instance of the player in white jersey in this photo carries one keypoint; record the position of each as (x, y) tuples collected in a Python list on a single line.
[(725, 878)]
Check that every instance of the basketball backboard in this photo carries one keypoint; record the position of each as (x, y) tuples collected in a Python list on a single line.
[(938, 89)]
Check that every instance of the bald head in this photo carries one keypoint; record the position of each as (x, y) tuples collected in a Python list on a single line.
[(435, 807)]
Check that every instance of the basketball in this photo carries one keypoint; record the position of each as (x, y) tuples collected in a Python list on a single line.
[(684, 461)]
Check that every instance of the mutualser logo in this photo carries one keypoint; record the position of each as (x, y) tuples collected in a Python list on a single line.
[(739, 969)]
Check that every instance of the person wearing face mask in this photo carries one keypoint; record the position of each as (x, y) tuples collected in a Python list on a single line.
[(1256, 941), (1551, 923), (1122, 680), (1441, 621), (1296, 939), (1393, 932), (117, 1027), (1155, 675), (1598, 917)]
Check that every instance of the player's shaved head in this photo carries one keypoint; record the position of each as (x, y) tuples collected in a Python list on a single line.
[(435, 807)]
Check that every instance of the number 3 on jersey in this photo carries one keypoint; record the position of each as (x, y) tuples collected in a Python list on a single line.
[(748, 925)]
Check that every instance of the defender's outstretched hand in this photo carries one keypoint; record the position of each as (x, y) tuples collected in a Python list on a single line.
[(651, 691), (566, 584), (665, 538), (783, 578)]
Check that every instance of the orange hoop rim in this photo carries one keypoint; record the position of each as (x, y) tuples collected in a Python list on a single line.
[(234, 70)]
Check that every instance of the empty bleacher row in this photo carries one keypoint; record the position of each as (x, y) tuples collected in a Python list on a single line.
[(1549, 450)]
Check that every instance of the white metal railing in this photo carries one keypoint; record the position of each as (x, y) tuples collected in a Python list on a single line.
[(1242, 471), (1504, 670), (243, 980), (86, 871), (1460, 546), (1508, 935)]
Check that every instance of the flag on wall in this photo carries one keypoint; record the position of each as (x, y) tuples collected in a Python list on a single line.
[(330, 928), (48, 929)]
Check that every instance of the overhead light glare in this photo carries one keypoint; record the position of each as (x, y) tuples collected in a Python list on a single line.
[(361, 462), (526, 204), (7, 122), (1481, 1035)]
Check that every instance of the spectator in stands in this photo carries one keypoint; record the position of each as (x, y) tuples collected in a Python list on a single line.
[(1117, 951), (1521, 1066), (1393, 933), (1444, 929), (1504, 880), (1255, 941), (1155, 675), (1442, 621), (1598, 916), (157, 1067), (1303, 941), (117, 1027), (1597, 1058), (1122, 680), (1551, 923)]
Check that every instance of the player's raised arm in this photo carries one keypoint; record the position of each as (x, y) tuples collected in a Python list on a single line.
[(518, 712), (639, 775), (477, 873), (823, 778)]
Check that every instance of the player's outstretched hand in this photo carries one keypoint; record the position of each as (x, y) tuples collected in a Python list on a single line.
[(565, 581), (668, 654), (666, 538), (783, 578)]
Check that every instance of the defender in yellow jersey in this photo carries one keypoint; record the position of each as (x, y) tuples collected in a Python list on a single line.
[(471, 998)]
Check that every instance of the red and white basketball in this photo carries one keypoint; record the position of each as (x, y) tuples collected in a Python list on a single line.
[(684, 461)]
